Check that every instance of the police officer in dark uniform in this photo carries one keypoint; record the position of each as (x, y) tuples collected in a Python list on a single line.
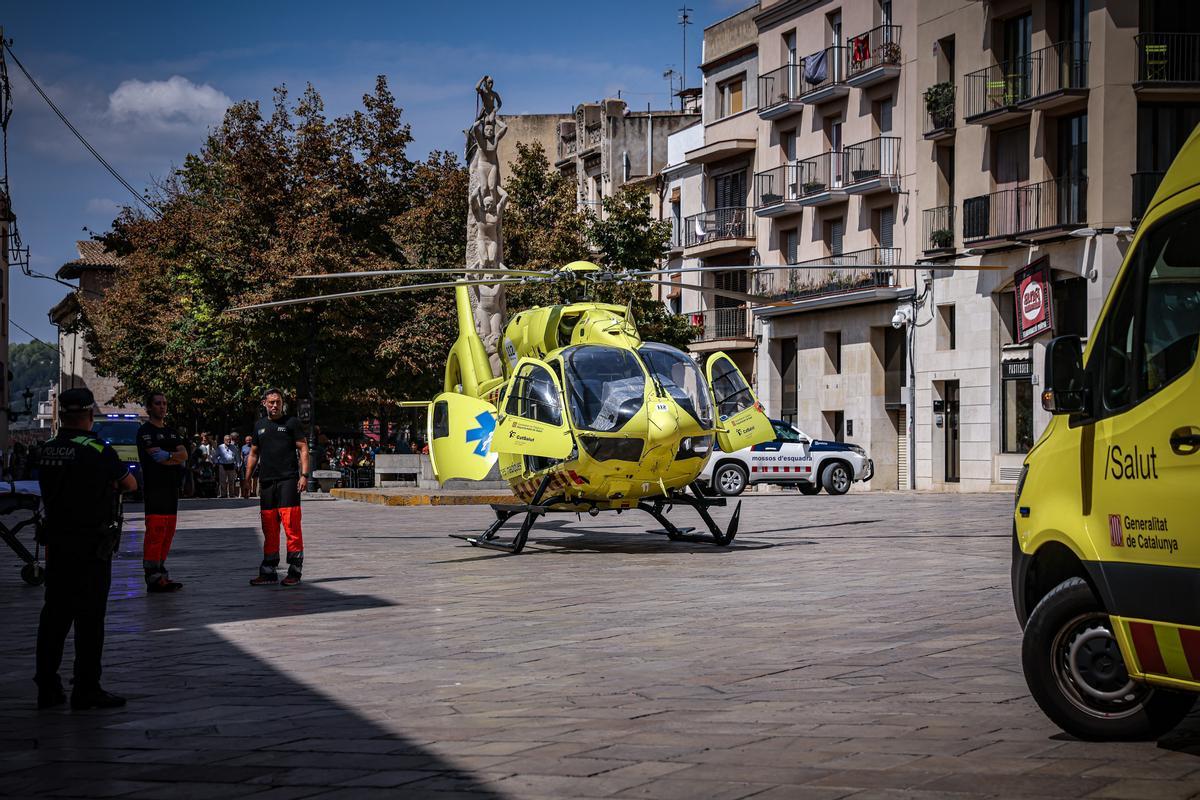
[(80, 479)]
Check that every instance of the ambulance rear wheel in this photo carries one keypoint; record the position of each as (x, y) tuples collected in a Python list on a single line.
[(1076, 673), (730, 479), (809, 488)]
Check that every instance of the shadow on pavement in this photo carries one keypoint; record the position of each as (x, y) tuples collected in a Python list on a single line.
[(206, 717)]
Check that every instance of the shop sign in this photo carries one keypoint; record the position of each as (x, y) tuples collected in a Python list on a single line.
[(1033, 299), (1016, 370)]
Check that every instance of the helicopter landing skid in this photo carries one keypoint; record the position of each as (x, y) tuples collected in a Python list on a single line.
[(504, 512), (721, 538)]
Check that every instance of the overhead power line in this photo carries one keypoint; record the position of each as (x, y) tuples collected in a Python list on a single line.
[(13, 322), (82, 140)]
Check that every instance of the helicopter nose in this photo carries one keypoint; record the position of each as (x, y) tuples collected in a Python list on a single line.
[(664, 425)]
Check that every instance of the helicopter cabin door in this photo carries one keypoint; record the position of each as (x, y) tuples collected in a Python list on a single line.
[(532, 421), (460, 437), (741, 422)]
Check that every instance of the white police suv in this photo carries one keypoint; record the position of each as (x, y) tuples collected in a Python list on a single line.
[(791, 459)]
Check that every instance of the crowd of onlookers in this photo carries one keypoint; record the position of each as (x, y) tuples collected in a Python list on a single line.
[(216, 464)]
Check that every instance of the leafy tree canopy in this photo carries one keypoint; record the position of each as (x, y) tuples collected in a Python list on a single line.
[(33, 365)]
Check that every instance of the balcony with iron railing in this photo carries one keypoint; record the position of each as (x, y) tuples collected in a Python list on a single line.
[(722, 323), (939, 111), (1029, 211), (821, 179), (994, 94), (1145, 184), (831, 275), (1167, 61), (779, 91), (1058, 75), (873, 165), (1046, 78), (823, 76), (719, 230), (873, 57), (939, 229), (777, 191)]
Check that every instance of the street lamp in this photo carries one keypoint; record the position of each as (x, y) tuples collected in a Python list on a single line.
[(27, 396)]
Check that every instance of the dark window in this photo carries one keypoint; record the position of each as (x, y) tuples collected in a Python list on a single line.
[(730, 190), (1150, 337), (1017, 416), (787, 371), (833, 352), (1070, 306)]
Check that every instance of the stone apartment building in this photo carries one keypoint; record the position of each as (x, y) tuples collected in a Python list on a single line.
[(709, 186), (1065, 116), (607, 145), (951, 134), (94, 269)]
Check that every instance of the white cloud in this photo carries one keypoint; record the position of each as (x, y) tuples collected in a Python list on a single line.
[(175, 102)]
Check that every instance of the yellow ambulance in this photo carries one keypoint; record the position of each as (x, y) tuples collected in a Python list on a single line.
[(1106, 536)]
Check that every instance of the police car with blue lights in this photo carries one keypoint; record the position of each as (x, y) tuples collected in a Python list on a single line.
[(120, 431), (791, 459)]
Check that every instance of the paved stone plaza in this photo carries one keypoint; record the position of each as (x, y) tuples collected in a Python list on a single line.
[(858, 646)]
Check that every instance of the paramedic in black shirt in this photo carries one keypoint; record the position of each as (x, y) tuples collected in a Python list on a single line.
[(80, 478), (162, 456), (279, 450)]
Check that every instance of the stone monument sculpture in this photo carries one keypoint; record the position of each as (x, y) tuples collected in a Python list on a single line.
[(485, 242)]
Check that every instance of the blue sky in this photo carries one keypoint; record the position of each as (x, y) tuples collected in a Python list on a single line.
[(144, 82)]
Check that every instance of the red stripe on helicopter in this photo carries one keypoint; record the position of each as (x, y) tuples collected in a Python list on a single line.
[(1146, 644)]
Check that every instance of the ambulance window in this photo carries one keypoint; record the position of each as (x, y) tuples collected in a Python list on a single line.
[(1150, 337), (1117, 341), (534, 397), (1172, 301)]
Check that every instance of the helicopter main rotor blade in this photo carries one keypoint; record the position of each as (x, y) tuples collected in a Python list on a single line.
[(413, 287), (824, 265), (524, 273), (756, 299)]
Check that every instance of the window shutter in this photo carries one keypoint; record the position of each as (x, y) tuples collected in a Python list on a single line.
[(836, 228), (887, 219)]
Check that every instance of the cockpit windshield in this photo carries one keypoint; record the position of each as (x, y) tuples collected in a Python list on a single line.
[(680, 378), (605, 386)]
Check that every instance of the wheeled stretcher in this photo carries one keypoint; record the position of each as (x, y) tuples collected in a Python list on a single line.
[(23, 498)]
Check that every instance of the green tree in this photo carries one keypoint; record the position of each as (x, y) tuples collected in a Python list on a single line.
[(265, 199), (33, 365), (544, 229)]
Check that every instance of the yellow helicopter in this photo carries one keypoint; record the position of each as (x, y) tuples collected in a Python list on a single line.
[(586, 417)]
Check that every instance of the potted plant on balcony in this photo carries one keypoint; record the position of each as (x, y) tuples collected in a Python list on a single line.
[(888, 53), (939, 103), (770, 199), (941, 239), (812, 187)]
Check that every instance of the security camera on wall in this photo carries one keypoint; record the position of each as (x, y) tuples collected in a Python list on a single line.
[(900, 318)]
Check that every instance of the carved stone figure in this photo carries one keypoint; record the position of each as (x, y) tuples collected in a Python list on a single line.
[(485, 242)]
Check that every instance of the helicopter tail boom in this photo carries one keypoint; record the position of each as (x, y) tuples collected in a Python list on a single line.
[(468, 370)]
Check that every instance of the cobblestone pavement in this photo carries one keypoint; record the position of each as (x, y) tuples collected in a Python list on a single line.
[(859, 646)]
